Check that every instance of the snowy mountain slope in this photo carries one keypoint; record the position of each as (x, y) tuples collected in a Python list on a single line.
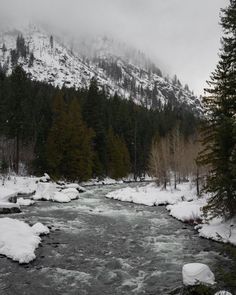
[(116, 67)]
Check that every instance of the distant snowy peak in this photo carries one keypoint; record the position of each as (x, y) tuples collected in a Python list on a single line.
[(117, 67)]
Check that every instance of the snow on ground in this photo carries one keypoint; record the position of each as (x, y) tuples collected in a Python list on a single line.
[(6, 195), (105, 181), (18, 240), (151, 195), (188, 211), (219, 230), (21, 185), (38, 188)]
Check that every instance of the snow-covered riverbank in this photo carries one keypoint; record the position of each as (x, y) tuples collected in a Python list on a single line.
[(183, 204), (18, 240)]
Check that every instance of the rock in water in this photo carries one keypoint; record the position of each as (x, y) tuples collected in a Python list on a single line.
[(197, 273)]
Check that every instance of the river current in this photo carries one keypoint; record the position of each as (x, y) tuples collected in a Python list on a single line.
[(101, 246)]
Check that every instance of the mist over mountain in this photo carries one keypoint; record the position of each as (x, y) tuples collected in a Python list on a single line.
[(73, 62), (180, 37)]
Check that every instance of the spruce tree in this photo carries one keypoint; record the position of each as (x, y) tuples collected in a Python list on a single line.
[(219, 139), (78, 156), (57, 138), (17, 111), (118, 156)]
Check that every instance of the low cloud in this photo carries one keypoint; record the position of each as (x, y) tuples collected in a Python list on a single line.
[(181, 36)]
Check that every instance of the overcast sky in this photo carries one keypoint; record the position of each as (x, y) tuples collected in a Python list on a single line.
[(181, 36)]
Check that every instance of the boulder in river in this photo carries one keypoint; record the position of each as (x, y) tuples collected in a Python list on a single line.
[(197, 273)]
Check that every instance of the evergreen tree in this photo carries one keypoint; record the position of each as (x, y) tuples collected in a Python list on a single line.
[(69, 145), (57, 138), (219, 138), (17, 111), (94, 116), (118, 156), (78, 156)]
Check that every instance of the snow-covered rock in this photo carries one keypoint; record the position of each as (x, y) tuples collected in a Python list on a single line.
[(24, 202), (196, 273), (45, 191), (52, 192), (71, 192), (60, 198), (18, 240), (45, 178), (40, 229)]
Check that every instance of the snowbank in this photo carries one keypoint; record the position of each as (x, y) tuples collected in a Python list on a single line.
[(59, 197), (219, 230), (187, 211), (196, 273), (21, 185), (18, 240), (6, 195), (105, 181), (151, 195), (71, 192)]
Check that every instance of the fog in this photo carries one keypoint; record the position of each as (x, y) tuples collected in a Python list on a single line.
[(181, 36)]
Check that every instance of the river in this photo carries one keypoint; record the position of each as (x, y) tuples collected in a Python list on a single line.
[(101, 246)]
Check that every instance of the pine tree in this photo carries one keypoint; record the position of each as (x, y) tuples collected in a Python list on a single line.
[(219, 138), (57, 140), (118, 156), (94, 116), (69, 144), (17, 111), (78, 156)]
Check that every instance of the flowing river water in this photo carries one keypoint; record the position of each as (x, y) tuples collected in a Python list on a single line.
[(101, 246)]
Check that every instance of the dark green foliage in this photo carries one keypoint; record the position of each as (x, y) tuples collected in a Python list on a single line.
[(62, 140), (118, 156), (17, 106), (94, 115), (219, 138)]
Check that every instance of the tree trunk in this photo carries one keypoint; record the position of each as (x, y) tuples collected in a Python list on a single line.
[(197, 183), (17, 153)]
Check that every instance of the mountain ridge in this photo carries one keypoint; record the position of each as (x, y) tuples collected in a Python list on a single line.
[(51, 59)]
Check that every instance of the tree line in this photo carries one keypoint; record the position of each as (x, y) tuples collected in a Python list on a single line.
[(79, 134)]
